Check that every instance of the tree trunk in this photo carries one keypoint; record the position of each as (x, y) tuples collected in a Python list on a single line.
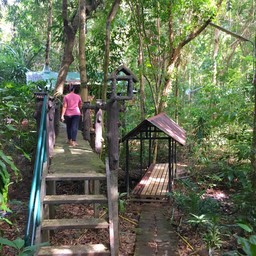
[(110, 18), (49, 34), (82, 60), (141, 79), (215, 54), (175, 55), (70, 29), (253, 150), (140, 66)]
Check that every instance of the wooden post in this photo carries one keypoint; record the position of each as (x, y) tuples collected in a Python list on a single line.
[(112, 164), (57, 118), (169, 165), (113, 210), (113, 154), (113, 134), (127, 168), (50, 127), (96, 191), (98, 130), (150, 148), (86, 121), (141, 154), (175, 159)]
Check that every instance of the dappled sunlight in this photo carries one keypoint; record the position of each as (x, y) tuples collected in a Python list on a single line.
[(59, 150), (159, 180), (216, 194), (77, 151)]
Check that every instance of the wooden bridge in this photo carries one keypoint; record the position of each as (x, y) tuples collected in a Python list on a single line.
[(78, 163)]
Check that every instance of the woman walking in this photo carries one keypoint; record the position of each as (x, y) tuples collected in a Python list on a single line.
[(71, 111)]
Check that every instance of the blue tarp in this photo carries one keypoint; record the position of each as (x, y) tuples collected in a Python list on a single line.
[(49, 76)]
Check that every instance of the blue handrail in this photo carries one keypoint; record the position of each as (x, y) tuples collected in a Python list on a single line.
[(34, 211)]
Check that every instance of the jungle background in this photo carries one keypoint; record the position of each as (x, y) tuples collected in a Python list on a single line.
[(201, 76)]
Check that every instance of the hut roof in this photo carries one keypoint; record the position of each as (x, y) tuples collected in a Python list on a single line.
[(162, 123), (123, 70)]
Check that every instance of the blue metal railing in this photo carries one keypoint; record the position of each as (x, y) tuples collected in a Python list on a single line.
[(34, 211)]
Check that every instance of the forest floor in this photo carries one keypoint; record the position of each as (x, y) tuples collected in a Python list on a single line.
[(189, 241)]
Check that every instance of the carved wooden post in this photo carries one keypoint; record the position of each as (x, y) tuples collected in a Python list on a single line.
[(121, 74), (112, 162), (51, 126), (113, 155), (39, 103), (86, 121), (98, 127)]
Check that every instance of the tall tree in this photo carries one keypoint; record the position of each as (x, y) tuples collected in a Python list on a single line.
[(49, 34), (137, 16), (70, 25), (198, 26), (82, 60), (178, 21), (110, 18)]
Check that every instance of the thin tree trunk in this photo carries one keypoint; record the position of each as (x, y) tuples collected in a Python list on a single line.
[(174, 57), (70, 29), (253, 149), (215, 54), (175, 53), (110, 18), (140, 66), (82, 60), (141, 79), (49, 34), (176, 93)]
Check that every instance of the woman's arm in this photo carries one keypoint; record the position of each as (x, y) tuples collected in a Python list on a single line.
[(64, 107)]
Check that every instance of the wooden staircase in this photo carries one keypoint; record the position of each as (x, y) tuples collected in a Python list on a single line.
[(50, 224)]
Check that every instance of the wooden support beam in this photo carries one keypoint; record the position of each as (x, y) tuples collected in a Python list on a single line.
[(112, 180)]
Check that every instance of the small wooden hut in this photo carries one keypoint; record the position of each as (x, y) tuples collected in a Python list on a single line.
[(157, 181)]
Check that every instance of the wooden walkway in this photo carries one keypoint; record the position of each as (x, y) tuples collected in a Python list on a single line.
[(157, 236), (80, 159), (154, 184), (77, 163)]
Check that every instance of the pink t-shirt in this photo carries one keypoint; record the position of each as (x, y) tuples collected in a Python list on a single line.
[(73, 101)]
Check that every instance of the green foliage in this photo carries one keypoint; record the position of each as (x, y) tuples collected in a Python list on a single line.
[(193, 202), (17, 105), (212, 237), (11, 65), (248, 243), (122, 202), (210, 230), (5, 161), (19, 246), (17, 136)]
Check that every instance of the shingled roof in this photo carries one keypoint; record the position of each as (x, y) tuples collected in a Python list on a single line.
[(162, 123)]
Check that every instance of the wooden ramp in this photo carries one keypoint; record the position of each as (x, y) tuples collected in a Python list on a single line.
[(70, 164), (154, 184)]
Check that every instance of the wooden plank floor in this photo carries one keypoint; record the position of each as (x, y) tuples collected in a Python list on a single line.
[(154, 183), (79, 159)]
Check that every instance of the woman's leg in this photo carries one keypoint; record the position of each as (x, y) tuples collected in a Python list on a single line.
[(74, 127), (68, 120)]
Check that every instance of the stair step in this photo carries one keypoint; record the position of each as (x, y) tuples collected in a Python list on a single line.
[(74, 199), (81, 250), (58, 224), (75, 176)]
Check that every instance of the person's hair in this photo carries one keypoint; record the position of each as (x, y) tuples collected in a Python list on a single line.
[(71, 87)]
